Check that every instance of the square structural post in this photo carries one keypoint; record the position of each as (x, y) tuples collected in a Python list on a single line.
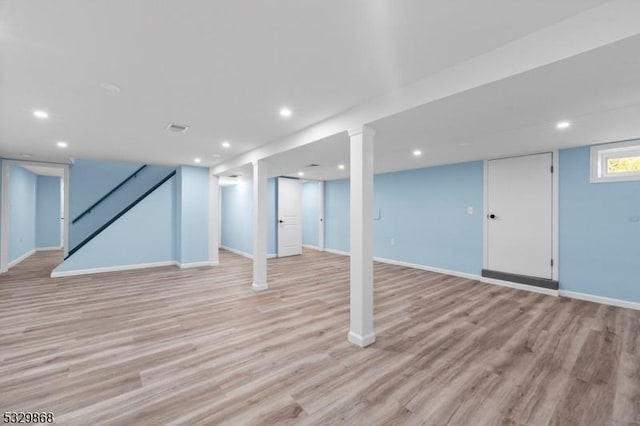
[(259, 226), (361, 331), (214, 219)]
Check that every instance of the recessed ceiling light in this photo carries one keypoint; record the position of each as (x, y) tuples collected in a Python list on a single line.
[(285, 112), (25, 155), (226, 144), (563, 125), (197, 160), (417, 153), (110, 87), (341, 166), (41, 114), (300, 173), (62, 144)]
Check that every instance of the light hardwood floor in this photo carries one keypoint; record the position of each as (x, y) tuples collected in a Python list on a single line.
[(170, 346)]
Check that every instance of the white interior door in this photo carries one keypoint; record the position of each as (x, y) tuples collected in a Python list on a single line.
[(289, 217), (520, 215)]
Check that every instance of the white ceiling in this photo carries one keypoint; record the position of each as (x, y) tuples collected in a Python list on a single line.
[(598, 92), (226, 67)]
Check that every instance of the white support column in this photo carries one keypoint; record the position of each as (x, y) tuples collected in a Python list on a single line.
[(361, 331), (214, 218), (259, 226), (321, 215)]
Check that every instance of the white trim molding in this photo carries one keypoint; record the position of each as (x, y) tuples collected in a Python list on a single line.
[(316, 248), (21, 258), (118, 268), (428, 268), (197, 264), (245, 254), (362, 341), (600, 299), (259, 287), (88, 271), (340, 252), (238, 252), (49, 248)]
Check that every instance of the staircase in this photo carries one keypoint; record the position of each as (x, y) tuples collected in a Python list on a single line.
[(115, 203)]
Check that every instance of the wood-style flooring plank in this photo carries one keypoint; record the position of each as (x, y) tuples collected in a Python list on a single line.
[(198, 346)]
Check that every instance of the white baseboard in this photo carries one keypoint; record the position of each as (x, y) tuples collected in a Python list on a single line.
[(241, 253), (340, 252), (21, 258), (519, 286), (197, 264), (245, 254), (28, 254), (457, 274), (259, 287), (49, 248), (316, 248), (60, 274), (428, 268), (362, 341), (600, 299)]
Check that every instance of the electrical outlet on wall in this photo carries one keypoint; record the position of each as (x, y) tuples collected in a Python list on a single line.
[(470, 210), (393, 241)]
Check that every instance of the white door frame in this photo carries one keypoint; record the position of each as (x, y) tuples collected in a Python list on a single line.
[(300, 212), (321, 215), (554, 218), (4, 206)]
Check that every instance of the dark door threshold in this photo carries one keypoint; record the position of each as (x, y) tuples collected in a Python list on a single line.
[(521, 279)]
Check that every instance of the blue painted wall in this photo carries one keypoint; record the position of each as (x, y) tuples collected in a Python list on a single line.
[(237, 216), (1, 189), (336, 215), (192, 214), (90, 180), (144, 235), (22, 212), (599, 231), (310, 213), (48, 210), (423, 211)]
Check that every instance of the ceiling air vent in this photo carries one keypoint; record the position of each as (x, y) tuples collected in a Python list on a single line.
[(177, 128), (313, 165), (234, 176)]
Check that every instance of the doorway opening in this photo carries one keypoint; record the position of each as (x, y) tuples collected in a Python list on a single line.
[(34, 205)]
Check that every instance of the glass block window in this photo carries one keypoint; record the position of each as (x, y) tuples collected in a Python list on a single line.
[(615, 162)]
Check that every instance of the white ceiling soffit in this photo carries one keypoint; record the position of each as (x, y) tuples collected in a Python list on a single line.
[(43, 170), (615, 21), (597, 91), (114, 73)]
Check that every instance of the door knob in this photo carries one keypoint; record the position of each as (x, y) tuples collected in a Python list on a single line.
[(281, 221), (492, 216)]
